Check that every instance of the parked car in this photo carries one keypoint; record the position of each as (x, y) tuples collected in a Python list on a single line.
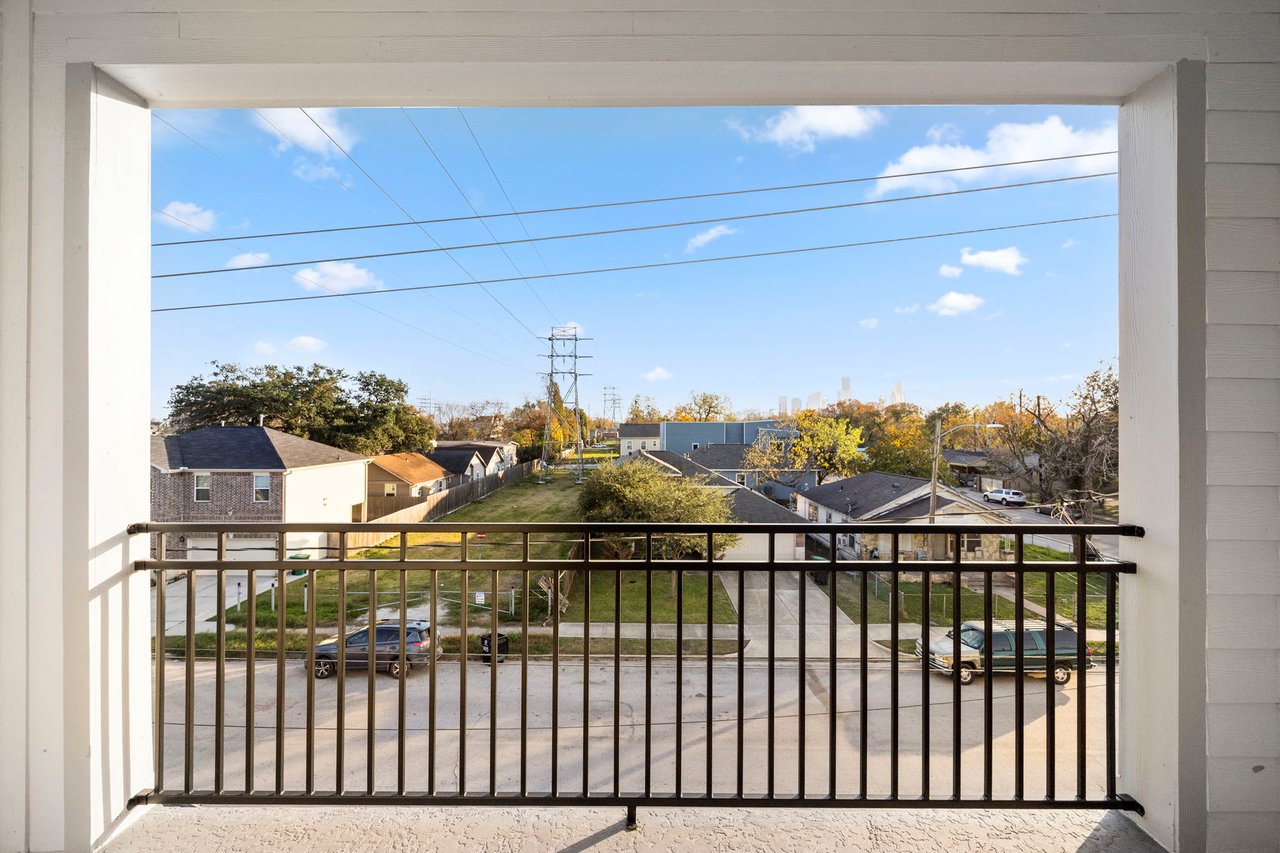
[(1004, 651), (1070, 508), (386, 652), (1005, 496)]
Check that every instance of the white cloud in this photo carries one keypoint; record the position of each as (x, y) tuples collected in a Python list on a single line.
[(187, 216), (248, 259), (307, 343), (1071, 243), (952, 304), (306, 170), (869, 323), (907, 309), (803, 127), (943, 132), (338, 276), (291, 127), (949, 271), (702, 238), (1006, 142), (658, 374), (1008, 260), (264, 348)]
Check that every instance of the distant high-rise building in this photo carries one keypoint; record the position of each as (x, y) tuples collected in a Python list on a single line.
[(846, 391), (815, 400), (898, 395), (795, 405), (782, 404)]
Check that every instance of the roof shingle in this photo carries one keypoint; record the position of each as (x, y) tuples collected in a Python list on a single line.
[(242, 448)]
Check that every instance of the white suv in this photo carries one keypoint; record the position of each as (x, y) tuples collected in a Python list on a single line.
[(1005, 496)]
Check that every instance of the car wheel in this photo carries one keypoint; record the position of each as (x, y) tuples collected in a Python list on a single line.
[(987, 498), (324, 668), (965, 673), (1061, 675), (393, 669), (1004, 502)]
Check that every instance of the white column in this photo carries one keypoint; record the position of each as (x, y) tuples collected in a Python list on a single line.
[(1162, 459)]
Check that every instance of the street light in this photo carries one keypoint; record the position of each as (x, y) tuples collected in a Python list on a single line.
[(937, 451)]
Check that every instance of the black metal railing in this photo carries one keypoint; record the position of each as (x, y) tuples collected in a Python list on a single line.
[(716, 665)]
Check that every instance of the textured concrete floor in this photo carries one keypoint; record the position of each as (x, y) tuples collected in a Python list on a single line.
[(172, 829)]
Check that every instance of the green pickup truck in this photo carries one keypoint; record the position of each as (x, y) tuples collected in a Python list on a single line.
[(1035, 658)]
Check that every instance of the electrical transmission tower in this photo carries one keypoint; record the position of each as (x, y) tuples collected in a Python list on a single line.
[(563, 361), (612, 405)]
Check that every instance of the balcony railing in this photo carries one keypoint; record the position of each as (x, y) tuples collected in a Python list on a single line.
[(700, 670)]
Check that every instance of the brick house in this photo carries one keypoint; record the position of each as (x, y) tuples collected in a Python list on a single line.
[(253, 474)]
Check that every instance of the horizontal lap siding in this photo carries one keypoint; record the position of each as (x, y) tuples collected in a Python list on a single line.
[(1242, 197)]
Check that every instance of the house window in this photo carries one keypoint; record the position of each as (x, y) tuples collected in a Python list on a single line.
[(204, 488), (644, 445), (261, 488), (695, 445), (388, 490), (741, 478), (811, 510)]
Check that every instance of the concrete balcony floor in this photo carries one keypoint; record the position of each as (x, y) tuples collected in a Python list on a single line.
[(174, 829)]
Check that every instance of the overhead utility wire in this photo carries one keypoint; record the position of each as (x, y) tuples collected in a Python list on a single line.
[(498, 181), (392, 199), (637, 228), (659, 200), (287, 202), (457, 187), (657, 264), (353, 297)]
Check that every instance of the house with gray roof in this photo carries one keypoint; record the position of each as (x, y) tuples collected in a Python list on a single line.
[(464, 463), (728, 461), (253, 473), (634, 438), (883, 497)]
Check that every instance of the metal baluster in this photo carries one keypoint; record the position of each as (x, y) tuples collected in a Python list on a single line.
[(371, 689), (679, 680), (833, 699), (773, 652), (310, 769), (220, 673), (893, 673), (1113, 581), (1019, 653), (801, 687), (401, 704), (431, 701), (926, 591), (251, 682), (710, 658), (160, 650), (862, 683), (617, 682), (741, 674), (1081, 662), (462, 671), (957, 748), (1051, 642), (555, 684), (340, 752), (493, 683), (281, 606), (648, 664), (190, 687), (524, 667), (988, 704), (586, 667)]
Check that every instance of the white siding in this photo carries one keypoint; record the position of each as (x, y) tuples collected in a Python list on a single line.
[(320, 494)]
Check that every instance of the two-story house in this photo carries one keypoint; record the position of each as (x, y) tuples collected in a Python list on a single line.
[(635, 438), (253, 473)]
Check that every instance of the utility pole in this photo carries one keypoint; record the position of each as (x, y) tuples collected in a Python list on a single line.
[(563, 359), (612, 405)]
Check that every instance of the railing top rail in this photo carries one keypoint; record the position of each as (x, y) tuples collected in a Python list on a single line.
[(631, 527)]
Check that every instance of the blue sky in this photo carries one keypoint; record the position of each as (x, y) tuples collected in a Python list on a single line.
[(970, 318)]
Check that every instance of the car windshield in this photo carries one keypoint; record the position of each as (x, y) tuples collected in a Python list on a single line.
[(972, 638)]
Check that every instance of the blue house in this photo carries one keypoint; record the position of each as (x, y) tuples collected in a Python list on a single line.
[(688, 436)]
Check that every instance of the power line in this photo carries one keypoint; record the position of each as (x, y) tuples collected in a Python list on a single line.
[(639, 228), (502, 247), (498, 181), (354, 299), (392, 199), (657, 200), (656, 264), (255, 182)]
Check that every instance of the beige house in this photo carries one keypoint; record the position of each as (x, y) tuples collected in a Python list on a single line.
[(398, 475)]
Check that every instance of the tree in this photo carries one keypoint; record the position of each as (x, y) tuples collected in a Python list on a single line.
[(644, 411), (644, 492), (365, 412), (903, 448), (704, 406), (806, 441)]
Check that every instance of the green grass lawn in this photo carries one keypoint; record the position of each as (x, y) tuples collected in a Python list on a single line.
[(910, 596), (632, 593), (524, 501), (598, 454)]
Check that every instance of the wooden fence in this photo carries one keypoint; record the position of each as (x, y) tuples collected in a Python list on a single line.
[(431, 507)]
